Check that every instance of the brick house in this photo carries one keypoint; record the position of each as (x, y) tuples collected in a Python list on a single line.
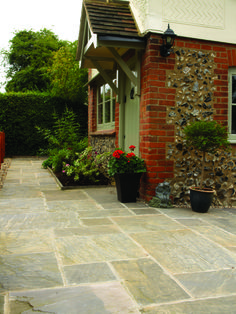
[(138, 97)]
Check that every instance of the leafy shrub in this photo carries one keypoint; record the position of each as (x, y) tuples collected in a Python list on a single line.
[(206, 137), (64, 140), (87, 165)]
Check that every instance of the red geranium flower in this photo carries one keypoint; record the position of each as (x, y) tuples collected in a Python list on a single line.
[(117, 153), (132, 147), (130, 155)]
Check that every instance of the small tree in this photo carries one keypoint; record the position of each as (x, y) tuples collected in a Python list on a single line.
[(29, 57), (206, 137)]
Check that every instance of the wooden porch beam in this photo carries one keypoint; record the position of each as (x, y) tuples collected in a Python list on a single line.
[(123, 66), (105, 75)]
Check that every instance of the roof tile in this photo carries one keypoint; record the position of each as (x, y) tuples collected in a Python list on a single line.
[(111, 18)]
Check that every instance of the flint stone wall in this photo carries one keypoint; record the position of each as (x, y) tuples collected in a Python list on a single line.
[(102, 143), (193, 78)]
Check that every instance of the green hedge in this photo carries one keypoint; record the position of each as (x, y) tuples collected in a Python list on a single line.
[(21, 112)]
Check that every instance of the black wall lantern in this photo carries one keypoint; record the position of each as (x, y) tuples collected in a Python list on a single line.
[(168, 41)]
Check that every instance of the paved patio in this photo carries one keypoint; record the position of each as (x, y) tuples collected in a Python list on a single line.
[(81, 251)]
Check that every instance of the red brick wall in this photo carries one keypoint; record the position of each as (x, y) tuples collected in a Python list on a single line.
[(92, 109), (155, 134), (156, 97)]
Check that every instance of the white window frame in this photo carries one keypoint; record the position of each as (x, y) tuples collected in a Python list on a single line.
[(232, 137), (111, 124)]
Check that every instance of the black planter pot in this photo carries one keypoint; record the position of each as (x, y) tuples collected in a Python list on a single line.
[(127, 186), (201, 199)]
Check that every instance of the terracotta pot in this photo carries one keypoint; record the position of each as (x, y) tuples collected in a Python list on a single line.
[(201, 199)]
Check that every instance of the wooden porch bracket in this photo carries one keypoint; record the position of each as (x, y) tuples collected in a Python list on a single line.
[(124, 66), (104, 75)]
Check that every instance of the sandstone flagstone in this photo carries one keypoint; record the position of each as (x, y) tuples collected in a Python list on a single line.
[(65, 195), (61, 251), (176, 212), (214, 283), (26, 206), (23, 242), (96, 221), (184, 251), (216, 234), (147, 223), (107, 298), (25, 191), (29, 271), (88, 273), (99, 248), (111, 205), (113, 212), (145, 211), (227, 224), (107, 196), (147, 282), (2, 304), (73, 205), (220, 305), (86, 231), (38, 221)]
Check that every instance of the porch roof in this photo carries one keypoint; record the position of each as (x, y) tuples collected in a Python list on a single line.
[(104, 26), (111, 18)]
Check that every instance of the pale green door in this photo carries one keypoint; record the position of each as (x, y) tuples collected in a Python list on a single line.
[(131, 116)]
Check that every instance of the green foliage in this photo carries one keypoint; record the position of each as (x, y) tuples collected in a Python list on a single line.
[(64, 139), (28, 59), (206, 136), (20, 113), (67, 78), (86, 165), (57, 158), (121, 162), (65, 133)]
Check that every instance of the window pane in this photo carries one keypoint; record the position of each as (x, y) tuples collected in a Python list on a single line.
[(107, 92), (100, 94), (234, 89), (107, 111), (100, 114), (113, 109), (233, 131)]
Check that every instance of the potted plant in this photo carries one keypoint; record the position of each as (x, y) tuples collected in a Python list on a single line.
[(206, 137), (127, 169)]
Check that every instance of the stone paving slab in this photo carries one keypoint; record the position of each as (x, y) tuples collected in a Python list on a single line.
[(222, 305), (214, 233), (88, 273), (82, 251), (24, 242), (147, 223), (38, 221), (205, 284), (184, 251), (22, 205), (29, 271), (99, 248), (2, 302), (104, 298), (148, 283)]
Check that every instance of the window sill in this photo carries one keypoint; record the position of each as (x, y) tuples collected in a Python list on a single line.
[(232, 141), (103, 133)]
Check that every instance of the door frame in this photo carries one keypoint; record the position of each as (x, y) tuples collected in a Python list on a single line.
[(135, 63)]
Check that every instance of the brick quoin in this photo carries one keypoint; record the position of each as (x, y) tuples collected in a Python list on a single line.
[(157, 97)]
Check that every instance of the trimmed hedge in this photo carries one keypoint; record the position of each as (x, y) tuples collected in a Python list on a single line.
[(21, 112)]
